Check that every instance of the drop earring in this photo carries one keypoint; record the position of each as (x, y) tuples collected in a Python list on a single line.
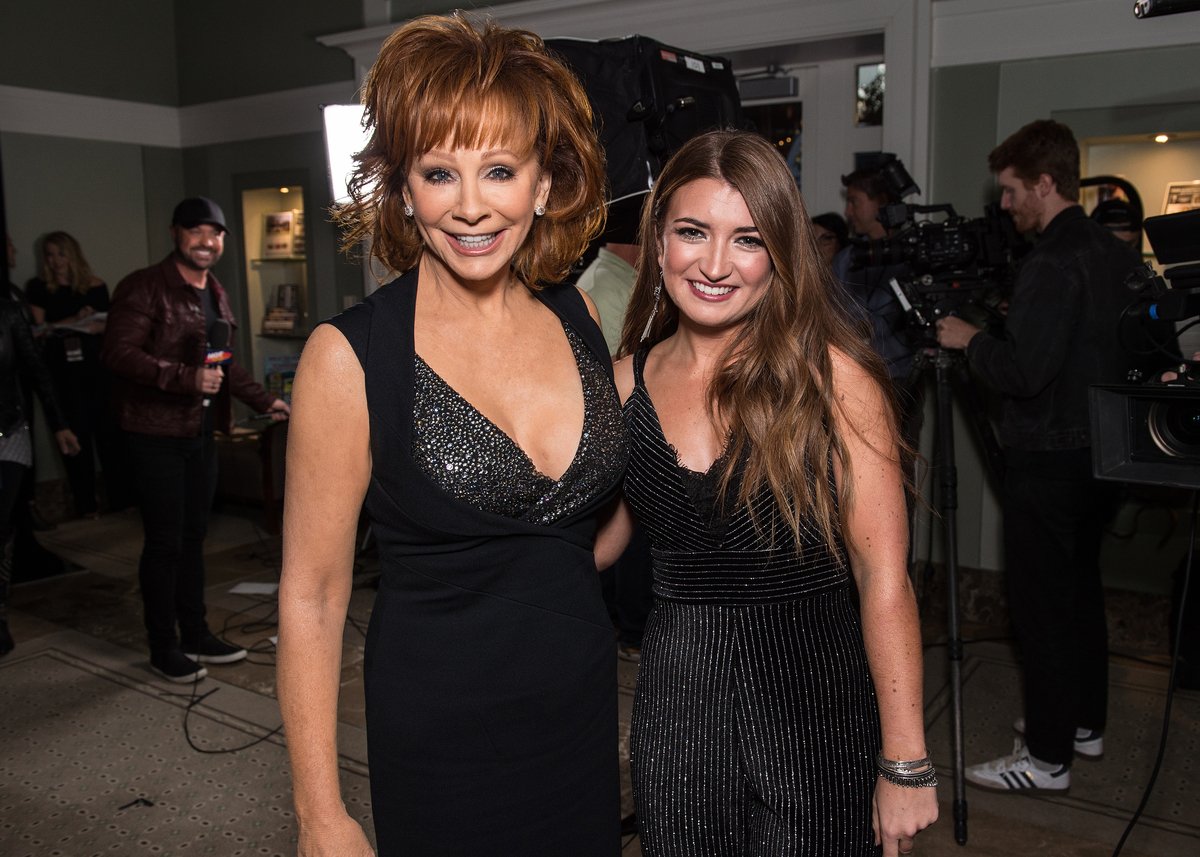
[(654, 310)]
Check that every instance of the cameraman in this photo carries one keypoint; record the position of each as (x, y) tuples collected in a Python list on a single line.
[(867, 293), (1060, 336)]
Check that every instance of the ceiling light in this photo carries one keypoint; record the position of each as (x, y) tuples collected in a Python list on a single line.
[(1161, 138)]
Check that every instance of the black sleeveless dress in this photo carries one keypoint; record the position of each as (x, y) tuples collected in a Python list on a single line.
[(489, 668), (755, 725)]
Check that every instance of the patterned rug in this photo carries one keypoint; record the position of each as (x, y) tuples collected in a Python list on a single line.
[(99, 759)]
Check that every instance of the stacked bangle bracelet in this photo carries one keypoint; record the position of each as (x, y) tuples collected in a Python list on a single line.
[(913, 774)]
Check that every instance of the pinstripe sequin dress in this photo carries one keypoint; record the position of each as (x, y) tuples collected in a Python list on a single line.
[(755, 725)]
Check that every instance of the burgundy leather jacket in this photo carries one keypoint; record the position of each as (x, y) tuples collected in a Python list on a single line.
[(155, 344)]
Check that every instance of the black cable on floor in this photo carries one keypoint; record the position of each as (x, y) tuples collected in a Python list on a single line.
[(258, 625), (196, 700), (1162, 741)]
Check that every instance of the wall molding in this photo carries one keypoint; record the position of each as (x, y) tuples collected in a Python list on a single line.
[(61, 114), (968, 32)]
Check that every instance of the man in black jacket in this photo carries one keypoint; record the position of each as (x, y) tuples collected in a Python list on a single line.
[(170, 398), (1060, 337)]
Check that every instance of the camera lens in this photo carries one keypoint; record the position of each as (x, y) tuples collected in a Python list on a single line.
[(1175, 427)]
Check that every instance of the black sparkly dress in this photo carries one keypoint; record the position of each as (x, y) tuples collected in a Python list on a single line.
[(755, 725), (489, 670)]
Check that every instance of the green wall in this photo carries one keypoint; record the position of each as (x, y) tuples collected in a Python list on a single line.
[(402, 10), (963, 131), (93, 190), (173, 53), (231, 48), (122, 50)]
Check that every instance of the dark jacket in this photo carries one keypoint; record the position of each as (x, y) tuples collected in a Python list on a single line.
[(20, 358), (866, 294), (1060, 336), (155, 344)]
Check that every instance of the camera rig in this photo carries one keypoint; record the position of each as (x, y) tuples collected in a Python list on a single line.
[(1149, 433), (944, 262)]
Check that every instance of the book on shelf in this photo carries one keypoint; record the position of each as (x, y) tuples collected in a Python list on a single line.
[(280, 320)]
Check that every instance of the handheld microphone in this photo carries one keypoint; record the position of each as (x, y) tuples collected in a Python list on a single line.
[(217, 353)]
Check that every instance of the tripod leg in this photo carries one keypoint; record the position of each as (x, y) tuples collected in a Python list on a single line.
[(948, 504)]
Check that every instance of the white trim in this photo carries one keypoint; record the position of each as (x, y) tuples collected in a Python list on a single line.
[(61, 114), (293, 111), (966, 32)]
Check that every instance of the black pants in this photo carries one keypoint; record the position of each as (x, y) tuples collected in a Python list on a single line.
[(12, 476), (1054, 518), (175, 479), (84, 396)]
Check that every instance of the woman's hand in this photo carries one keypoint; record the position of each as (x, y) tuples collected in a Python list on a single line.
[(68, 444), (340, 837), (899, 814)]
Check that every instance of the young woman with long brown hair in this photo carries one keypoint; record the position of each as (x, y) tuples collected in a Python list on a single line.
[(769, 718)]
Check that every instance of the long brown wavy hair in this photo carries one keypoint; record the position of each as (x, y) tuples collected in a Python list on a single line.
[(774, 388), (82, 277), (440, 80)]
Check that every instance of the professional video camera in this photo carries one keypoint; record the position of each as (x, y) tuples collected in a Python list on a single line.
[(1150, 433), (946, 262)]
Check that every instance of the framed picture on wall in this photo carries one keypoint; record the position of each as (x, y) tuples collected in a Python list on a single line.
[(868, 94), (279, 229), (1181, 196)]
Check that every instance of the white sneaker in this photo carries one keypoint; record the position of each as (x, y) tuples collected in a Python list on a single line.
[(1018, 773), (1088, 742)]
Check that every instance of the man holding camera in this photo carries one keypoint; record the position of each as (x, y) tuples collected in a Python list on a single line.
[(867, 292), (1060, 337)]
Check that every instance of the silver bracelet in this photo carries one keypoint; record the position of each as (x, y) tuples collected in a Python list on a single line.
[(912, 773), (910, 766)]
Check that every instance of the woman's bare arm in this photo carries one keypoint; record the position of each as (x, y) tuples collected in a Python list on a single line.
[(328, 469), (876, 535)]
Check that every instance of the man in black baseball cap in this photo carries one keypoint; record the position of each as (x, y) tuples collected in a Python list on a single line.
[(198, 211), (164, 323)]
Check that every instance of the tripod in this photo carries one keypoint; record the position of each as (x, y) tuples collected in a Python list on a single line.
[(949, 374)]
